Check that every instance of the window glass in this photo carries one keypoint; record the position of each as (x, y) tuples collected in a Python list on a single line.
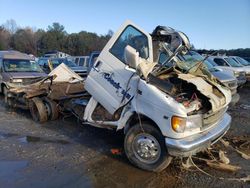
[(220, 62), (76, 60), (163, 57), (232, 62), (243, 61), (16, 65), (135, 39), (81, 61)]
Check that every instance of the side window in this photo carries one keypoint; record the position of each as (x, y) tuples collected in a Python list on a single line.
[(134, 38), (220, 62), (81, 61), (76, 60)]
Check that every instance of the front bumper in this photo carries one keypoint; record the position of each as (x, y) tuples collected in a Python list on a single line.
[(193, 144)]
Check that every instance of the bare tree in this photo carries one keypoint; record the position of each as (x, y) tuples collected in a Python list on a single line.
[(4, 39), (11, 26)]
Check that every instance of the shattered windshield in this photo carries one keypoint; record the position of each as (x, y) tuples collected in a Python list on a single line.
[(17, 65)]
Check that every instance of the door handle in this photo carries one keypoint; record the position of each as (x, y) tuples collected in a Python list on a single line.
[(97, 66)]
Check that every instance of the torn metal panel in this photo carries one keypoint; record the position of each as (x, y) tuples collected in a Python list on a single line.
[(63, 73), (218, 97)]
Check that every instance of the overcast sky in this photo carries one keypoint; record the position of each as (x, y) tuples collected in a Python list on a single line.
[(211, 24)]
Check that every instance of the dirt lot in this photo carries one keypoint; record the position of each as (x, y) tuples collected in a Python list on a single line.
[(64, 153)]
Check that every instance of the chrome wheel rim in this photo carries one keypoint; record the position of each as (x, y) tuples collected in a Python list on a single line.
[(146, 148)]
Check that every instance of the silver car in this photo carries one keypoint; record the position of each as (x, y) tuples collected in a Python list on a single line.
[(226, 63), (244, 63)]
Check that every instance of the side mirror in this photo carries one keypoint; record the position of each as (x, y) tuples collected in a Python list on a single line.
[(131, 57)]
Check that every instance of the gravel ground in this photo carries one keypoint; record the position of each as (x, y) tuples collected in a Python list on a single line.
[(64, 153)]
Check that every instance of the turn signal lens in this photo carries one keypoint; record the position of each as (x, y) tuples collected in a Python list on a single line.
[(178, 124)]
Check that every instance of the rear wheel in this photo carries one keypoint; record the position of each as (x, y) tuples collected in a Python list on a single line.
[(146, 148), (38, 110)]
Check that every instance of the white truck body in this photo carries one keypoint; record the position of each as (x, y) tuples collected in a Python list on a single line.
[(118, 87)]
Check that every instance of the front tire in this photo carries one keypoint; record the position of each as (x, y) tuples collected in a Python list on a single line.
[(38, 110), (7, 101), (145, 148)]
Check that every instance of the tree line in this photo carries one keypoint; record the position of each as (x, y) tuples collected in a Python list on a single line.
[(37, 42), (245, 53)]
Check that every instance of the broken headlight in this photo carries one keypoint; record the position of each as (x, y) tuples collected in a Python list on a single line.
[(194, 122)]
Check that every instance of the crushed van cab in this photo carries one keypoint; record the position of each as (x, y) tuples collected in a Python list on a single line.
[(165, 110)]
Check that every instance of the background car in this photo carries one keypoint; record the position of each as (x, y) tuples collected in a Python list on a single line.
[(17, 69), (54, 62), (244, 63), (226, 63)]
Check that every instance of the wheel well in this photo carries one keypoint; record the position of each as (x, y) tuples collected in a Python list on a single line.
[(135, 119), (2, 85)]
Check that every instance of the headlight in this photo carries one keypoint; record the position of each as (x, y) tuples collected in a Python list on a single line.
[(178, 124), (16, 80)]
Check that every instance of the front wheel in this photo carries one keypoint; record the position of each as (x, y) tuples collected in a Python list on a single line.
[(145, 147), (7, 101)]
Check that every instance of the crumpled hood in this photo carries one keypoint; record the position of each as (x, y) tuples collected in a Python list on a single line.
[(208, 85)]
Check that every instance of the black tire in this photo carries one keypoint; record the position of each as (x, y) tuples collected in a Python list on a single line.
[(53, 109), (7, 101), (155, 143), (38, 110)]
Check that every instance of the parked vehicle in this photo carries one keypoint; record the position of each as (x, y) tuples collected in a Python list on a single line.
[(164, 111), (48, 64), (244, 63), (17, 69), (225, 63)]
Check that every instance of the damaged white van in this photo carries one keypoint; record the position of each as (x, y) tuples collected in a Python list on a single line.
[(165, 110)]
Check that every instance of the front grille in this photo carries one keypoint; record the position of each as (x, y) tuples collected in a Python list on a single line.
[(211, 119)]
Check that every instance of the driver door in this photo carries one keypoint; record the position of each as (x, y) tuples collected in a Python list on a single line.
[(111, 81)]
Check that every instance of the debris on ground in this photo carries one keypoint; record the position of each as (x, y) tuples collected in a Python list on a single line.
[(245, 143), (245, 106), (115, 151), (222, 166), (223, 158)]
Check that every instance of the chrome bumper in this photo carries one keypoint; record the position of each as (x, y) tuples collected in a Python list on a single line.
[(193, 144)]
